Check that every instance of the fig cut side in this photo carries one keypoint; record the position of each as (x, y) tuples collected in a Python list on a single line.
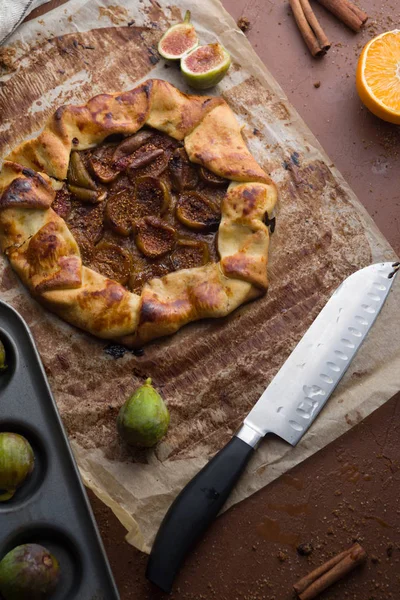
[(178, 40), (205, 66)]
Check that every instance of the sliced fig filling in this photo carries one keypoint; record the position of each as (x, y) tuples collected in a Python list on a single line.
[(112, 261), (182, 172), (139, 209), (189, 253), (102, 165), (154, 237), (197, 212), (62, 204)]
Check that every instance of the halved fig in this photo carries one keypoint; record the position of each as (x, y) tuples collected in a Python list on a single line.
[(119, 212), (211, 178), (183, 174), (189, 254), (197, 212), (87, 219), (62, 203), (178, 39), (132, 143), (154, 237), (85, 195), (140, 158), (112, 261), (205, 66), (78, 175), (157, 163), (86, 247), (152, 197), (101, 164)]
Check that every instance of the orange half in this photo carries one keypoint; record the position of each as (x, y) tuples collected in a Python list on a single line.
[(378, 76)]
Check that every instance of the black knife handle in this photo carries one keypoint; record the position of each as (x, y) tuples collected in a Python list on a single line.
[(193, 510)]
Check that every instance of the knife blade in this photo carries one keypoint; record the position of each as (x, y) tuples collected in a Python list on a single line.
[(287, 408)]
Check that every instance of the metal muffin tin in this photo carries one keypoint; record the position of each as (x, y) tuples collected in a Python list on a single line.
[(51, 508)]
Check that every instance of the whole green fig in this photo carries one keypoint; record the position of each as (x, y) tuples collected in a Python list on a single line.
[(28, 572), (143, 420), (3, 364), (16, 463)]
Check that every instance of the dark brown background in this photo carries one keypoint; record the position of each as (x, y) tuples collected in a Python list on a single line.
[(349, 490)]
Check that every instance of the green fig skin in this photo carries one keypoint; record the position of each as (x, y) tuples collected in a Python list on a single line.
[(143, 420), (17, 462), (210, 78), (28, 572), (3, 364)]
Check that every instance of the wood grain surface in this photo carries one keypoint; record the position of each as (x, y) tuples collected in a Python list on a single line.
[(350, 489)]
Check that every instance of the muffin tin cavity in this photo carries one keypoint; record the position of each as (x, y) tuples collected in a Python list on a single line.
[(11, 360), (50, 508), (33, 482), (61, 547)]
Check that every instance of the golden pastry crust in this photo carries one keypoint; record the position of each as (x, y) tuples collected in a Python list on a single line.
[(45, 254)]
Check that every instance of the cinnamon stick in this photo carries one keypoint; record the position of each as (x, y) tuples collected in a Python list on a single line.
[(333, 570), (347, 12), (315, 26), (305, 29), (360, 13)]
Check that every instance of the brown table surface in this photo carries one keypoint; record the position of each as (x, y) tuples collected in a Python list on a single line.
[(349, 490)]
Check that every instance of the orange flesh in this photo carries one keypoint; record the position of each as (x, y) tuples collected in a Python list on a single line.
[(204, 59), (382, 70), (179, 41)]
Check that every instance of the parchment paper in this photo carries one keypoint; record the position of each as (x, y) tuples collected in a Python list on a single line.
[(210, 373)]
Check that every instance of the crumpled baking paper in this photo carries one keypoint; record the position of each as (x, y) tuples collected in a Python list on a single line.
[(210, 373)]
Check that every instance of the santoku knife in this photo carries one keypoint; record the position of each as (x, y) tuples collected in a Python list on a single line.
[(287, 408)]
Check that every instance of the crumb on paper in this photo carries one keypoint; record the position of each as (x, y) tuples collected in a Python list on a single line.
[(317, 84), (243, 23)]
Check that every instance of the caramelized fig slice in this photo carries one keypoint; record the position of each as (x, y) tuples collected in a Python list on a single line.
[(101, 164), (132, 143), (85, 195), (154, 237), (197, 212), (86, 247), (154, 165), (78, 175), (112, 261), (152, 197), (140, 158), (87, 219), (147, 271), (211, 178), (189, 254), (62, 202), (183, 173), (119, 212)]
